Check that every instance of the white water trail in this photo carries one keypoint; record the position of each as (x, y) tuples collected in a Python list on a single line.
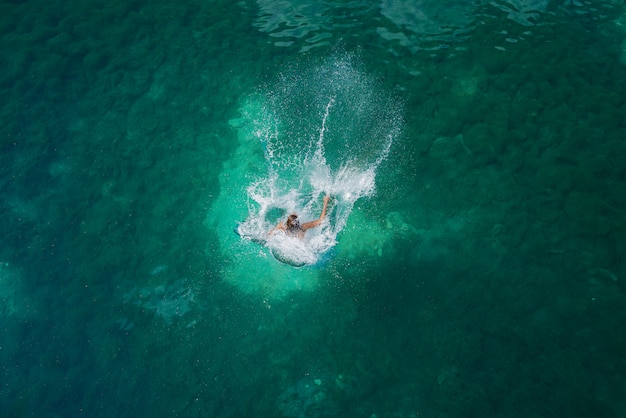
[(325, 131)]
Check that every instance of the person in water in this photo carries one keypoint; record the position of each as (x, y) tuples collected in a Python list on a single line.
[(294, 228)]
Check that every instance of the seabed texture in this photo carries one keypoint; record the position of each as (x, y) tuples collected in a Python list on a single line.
[(484, 276)]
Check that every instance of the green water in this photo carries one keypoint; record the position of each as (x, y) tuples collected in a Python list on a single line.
[(484, 277)]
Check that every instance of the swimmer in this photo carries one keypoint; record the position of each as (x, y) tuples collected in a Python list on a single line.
[(292, 226)]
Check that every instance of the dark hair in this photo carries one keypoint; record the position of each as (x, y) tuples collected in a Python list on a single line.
[(292, 221)]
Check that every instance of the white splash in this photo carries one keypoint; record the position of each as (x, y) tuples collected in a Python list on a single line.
[(325, 131)]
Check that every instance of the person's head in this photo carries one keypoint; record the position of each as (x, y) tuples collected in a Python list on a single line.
[(292, 221)]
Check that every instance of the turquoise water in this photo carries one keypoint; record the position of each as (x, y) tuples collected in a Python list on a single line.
[(482, 274)]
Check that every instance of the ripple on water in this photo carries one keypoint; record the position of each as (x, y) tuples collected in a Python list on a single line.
[(412, 24), (308, 24)]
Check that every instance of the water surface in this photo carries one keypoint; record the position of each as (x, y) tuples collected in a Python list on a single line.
[(483, 276)]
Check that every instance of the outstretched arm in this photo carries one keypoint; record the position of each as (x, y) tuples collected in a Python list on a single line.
[(280, 226), (317, 222)]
